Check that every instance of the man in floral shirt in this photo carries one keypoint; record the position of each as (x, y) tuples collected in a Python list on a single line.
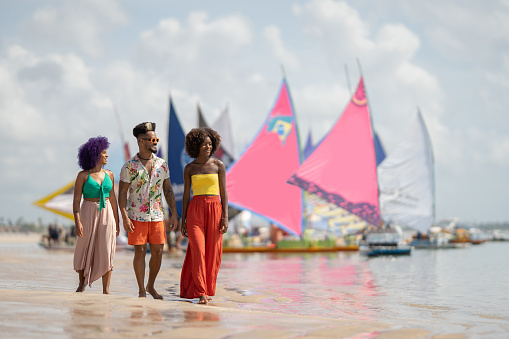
[(143, 179)]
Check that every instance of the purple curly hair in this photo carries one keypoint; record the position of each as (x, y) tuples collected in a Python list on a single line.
[(89, 152)]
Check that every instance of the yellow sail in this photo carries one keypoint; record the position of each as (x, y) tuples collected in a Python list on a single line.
[(59, 202)]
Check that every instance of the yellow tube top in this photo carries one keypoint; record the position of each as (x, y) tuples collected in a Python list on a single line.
[(205, 184)]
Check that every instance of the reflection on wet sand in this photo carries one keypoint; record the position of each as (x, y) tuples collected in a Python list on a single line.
[(307, 285), (76, 315), (100, 316)]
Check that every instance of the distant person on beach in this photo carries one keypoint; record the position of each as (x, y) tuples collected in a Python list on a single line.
[(205, 217), (97, 223), (142, 180), (276, 234)]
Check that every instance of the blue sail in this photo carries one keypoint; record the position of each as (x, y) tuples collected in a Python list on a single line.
[(379, 150), (309, 148), (177, 157)]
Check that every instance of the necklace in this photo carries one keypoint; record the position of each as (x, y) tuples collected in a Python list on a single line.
[(143, 158)]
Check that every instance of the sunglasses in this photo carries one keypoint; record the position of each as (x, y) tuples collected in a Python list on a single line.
[(152, 140)]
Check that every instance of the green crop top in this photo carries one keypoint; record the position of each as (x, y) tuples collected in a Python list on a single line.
[(92, 189)]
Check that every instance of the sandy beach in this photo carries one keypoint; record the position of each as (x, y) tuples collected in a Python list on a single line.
[(37, 300)]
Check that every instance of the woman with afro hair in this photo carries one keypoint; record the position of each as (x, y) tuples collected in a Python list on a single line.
[(205, 217), (97, 223)]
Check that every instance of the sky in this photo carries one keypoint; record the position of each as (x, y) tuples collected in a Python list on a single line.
[(66, 66)]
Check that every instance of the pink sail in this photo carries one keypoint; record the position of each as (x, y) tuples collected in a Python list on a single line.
[(256, 181), (342, 168)]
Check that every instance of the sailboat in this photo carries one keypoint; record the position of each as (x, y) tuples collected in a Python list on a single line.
[(222, 125), (343, 167), (256, 181), (177, 156), (329, 220), (406, 182)]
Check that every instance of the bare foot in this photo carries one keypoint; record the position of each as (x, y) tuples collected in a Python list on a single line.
[(209, 298), (80, 288), (203, 300), (154, 293), (142, 294), (106, 292)]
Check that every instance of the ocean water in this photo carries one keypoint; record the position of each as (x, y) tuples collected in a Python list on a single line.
[(445, 291), (449, 291)]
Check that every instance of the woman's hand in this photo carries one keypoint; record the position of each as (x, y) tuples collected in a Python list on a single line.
[(79, 229), (184, 228), (118, 230), (224, 225)]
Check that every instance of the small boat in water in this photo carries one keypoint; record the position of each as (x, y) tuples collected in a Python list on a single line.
[(387, 241), (434, 244), (434, 240), (500, 235)]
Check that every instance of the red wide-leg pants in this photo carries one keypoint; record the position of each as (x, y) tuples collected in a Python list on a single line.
[(205, 247)]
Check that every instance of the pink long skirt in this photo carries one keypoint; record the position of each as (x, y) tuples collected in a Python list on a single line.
[(95, 250)]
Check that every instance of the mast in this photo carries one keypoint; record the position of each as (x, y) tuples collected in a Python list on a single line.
[(125, 145), (373, 134), (348, 80), (304, 218)]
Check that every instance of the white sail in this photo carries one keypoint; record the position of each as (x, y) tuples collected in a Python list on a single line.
[(223, 126), (405, 180)]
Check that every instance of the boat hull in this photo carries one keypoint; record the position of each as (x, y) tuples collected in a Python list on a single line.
[(376, 251), (264, 249)]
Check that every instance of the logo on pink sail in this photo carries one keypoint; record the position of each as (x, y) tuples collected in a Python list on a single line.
[(280, 125), (359, 98)]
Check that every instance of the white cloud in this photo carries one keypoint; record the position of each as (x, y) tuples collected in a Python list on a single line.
[(77, 25), (173, 45), (272, 35)]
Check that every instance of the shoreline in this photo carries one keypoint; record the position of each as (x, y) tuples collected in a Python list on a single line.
[(20, 237), (69, 314)]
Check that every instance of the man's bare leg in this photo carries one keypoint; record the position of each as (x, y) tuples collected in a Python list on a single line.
[(139, 268), (156, 255), (81, 286), (106, 282)]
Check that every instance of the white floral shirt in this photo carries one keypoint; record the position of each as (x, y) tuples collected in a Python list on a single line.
[(145, 193)]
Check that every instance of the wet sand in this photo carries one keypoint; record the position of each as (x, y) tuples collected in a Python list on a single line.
[(92, 315), (36, 300)]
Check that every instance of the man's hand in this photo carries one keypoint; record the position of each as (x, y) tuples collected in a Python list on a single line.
[(128, 225), (174, 221)]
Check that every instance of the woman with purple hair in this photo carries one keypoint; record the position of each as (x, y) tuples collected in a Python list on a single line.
[(97, 219)]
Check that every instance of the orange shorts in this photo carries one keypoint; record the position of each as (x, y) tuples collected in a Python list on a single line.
[(152, 232)]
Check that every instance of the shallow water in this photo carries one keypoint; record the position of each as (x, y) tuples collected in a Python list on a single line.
[(445, 291), (454, 290)]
